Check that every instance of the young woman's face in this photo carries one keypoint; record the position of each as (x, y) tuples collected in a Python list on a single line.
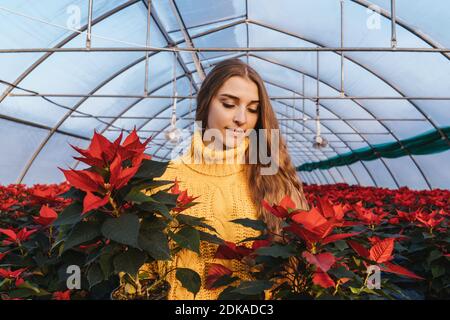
[(234, 110)]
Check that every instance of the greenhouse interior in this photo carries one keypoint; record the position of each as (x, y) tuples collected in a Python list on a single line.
[(361, 93)]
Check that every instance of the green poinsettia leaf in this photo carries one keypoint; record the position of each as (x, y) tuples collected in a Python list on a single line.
[(124, 229), (189, 279)]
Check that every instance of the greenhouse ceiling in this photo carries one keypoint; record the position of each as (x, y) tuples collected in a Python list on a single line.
[(378, 71)]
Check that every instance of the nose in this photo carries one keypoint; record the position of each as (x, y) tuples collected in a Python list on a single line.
[(240, 117)]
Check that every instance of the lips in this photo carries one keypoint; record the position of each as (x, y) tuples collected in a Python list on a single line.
[(236, 132)]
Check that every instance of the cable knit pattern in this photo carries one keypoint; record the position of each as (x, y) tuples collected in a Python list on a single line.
[(224, 196)]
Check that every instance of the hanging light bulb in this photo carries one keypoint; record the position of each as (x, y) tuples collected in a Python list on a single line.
[(319, 141), (173, 134)]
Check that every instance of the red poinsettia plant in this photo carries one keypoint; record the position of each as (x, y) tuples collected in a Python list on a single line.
[(27, 264), (325, 253), (110, 220), (334, 250), (122, 218)]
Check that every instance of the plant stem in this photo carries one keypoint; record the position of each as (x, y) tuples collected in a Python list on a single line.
[(115, 208), (157, 282)]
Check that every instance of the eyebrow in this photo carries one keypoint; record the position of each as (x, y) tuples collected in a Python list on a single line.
[(236, 98)]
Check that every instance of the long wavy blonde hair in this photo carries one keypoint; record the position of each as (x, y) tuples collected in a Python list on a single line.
[(272, 188)]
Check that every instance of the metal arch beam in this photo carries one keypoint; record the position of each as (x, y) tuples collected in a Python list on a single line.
[(26, 73), (187, 39), (30, 162), (423, 36), (305, 179), (67, 115), (300, 133), (311, 179), (379, 77), (294, 130), (40, 126), (280, 124), (280, 86), (356, 178), (166, 36), (331, 111), (376, 75), (208, 23), (369, 112), (64, 118), (310, 131), (63, 43), (165, 156), (281, 31), (66, 40), (162, 145), (388, 83), (155, 17), (301, 148)]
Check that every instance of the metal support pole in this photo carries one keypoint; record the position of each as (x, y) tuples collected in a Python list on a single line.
[(393, 26), (89, 26), (303, 101), (137, 96), (147, 44), (342, 45), (188, 41), (317, 94), (246, 26), (227, 49)]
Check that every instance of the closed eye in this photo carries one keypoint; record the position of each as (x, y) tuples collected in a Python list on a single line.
[(226, 105)]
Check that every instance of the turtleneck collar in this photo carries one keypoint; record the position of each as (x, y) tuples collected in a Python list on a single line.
[(208, 161)]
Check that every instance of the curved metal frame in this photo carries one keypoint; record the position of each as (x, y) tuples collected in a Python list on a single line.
[(375, 183), (332, 112), (63, 43), (310, 131), (383, 80), (78, 104), (364, 3)]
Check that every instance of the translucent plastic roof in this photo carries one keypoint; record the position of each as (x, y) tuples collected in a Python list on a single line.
[(50, 98)]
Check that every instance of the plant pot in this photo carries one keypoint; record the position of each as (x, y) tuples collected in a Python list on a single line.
[(125, 292)]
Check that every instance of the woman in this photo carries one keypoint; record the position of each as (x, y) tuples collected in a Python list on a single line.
[(232, 101)]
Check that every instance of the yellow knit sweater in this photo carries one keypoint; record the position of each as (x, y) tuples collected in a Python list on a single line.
[(223, 196)]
